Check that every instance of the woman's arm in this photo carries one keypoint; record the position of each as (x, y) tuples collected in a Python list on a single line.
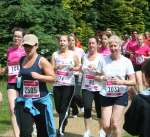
[(77, 63), (49, 74), (129, 82)]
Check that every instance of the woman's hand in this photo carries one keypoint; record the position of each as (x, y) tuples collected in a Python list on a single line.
[(117, 81), (35, 75), (2, 70), (60, 66)]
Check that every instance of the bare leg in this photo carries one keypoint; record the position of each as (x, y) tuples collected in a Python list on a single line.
[(87, 123), (106, 118), (116, 121), (12, 94), (139, 80)]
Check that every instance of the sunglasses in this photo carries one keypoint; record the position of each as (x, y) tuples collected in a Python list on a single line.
[(28, 46)]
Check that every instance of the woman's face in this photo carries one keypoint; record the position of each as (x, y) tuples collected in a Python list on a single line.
[(92, 45), (30, 49), (134, 34), (17, 38), (63, 42), (71, 41), (114, 47), (140, 39), (146, 34), (104, 40)]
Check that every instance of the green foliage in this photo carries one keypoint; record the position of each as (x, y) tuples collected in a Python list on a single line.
[(120, 15), (5, 123), (44, 18), (49, 18)]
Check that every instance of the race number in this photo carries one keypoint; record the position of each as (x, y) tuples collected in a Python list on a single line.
[(114, 90), (62, 77), (31, 89), (139, 60), (13, 70)]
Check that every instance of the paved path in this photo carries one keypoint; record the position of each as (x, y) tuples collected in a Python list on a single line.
[(75, 127)]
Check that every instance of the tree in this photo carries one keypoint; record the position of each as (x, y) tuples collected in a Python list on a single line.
[(45, 18)]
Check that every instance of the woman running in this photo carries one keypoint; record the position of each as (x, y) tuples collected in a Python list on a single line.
[(132, 46), (64, 62), (34, 102), (92, 68), (77, 99), (114, 94), (104, 48), (14, 53), (141, 55), (124, 45)]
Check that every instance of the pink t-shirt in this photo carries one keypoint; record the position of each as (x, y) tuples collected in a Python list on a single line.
[(139, 53), (104, 51), (132, 46), (13, 57), (124, 47)]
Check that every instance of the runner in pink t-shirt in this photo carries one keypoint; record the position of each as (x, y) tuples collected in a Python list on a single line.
[(124, 45), (132, 46), (104, 48), (13, 57), (140, 56), (14, 54)]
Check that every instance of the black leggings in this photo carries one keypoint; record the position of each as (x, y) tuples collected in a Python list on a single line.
[(88, 97), (25, 120), (62, 97), (77, 99)]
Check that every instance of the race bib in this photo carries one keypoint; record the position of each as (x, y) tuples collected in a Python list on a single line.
[(139, 60), (13, 70), (111, 90), (90, 83), (89, 79), (62, 77), (31, 89)]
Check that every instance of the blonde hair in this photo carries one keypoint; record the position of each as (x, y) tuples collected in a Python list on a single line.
[(116, 39)]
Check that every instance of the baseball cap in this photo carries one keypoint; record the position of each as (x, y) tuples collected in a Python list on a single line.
[(30, 39)]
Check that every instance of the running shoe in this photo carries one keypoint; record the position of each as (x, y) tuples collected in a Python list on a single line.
[(82, 110), (60, 134), (34, 132), (110, 135), (102, 133), (87, 133), (74, 116)]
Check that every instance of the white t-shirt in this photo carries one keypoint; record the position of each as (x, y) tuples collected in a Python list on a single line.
[(119, 68), (79, 52), (89, 73), (64, 76)]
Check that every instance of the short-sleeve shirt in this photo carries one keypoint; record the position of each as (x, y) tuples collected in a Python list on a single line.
[(119, 68), (13, 58), (89, 83)]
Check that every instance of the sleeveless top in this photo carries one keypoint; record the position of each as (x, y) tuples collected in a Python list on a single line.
[(88, 82), (64, 77), (30, 87)]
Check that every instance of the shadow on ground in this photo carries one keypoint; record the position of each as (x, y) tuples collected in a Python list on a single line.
[(72, 135), (6, 122)]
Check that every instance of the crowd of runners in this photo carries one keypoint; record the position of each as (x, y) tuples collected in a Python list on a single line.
[(107, 73)]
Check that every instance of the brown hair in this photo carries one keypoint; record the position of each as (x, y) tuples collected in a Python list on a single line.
[(18, 29)]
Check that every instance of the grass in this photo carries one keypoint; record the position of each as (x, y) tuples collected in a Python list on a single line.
[(5, 123)]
